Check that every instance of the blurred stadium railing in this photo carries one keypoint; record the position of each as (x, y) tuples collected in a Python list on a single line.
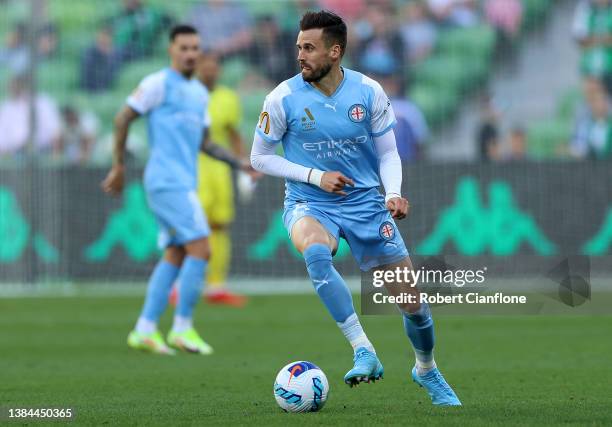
[(67, 66)]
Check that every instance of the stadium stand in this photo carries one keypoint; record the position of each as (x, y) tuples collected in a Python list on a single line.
[(460, 63)]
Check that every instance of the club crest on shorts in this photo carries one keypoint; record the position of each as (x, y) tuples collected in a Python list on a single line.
[(357, 113), (386, 230)]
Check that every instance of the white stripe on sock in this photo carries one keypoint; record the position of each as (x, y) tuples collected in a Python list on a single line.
[(424, 361), (181, 324), (145, 326), (352, 330)]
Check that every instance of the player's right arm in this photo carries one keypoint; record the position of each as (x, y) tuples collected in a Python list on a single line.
[(148, 95), (269, 133), (114, 181)]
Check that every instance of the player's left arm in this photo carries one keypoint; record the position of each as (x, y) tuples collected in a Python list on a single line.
[(217, 152), (389, 163), (236, 142), (390, 166)]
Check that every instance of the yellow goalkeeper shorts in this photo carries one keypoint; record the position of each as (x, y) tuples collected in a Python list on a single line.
[(215, 190)]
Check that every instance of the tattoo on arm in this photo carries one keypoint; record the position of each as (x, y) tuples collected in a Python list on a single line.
[(123, 119)]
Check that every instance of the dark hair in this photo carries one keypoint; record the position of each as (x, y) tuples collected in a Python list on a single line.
[(181, 29), (334, 28)]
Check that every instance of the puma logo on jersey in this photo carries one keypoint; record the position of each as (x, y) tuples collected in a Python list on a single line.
[(333, 107)]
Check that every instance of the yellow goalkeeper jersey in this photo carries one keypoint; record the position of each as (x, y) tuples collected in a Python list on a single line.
[(225, 111), (215, 189)]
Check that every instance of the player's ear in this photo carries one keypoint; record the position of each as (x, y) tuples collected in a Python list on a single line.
[(336, 51)]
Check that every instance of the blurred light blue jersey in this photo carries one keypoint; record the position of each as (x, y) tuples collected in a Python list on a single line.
[(176, 110), (330, 133)]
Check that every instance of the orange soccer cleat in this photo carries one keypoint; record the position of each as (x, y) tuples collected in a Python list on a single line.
[(225, 297)]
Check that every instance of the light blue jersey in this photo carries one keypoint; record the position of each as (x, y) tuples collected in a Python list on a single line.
[(176, 112), (330, 133), (335, 133)]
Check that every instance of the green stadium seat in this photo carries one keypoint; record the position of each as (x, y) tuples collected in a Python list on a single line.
[(260, 8), (435, 102), (179, 10), (77, 16), (133, 73), (473, 42), (546, 139), (234, 71), (534, 11), (12, 13), (566, 106), (105, 105), (57, 76), (445, 71), (72, 45)]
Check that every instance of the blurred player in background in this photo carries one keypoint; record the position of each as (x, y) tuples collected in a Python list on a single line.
[(176, 107), (215, 183), (336, 128)]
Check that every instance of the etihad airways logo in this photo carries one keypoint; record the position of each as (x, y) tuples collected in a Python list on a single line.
[(334, 147)]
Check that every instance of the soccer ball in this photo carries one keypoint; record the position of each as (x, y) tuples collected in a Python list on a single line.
[(301, 387)]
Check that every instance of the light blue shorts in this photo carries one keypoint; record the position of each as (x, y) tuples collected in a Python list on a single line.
[(180, 217), (362, 220)]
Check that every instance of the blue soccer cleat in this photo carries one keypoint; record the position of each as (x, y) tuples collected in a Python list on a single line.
[(367, 368), (437, 387)]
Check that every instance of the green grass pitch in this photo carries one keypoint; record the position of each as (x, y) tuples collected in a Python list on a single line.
[(71, 352)]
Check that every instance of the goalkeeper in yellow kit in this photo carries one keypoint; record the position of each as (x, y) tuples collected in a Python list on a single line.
[(215, 183)]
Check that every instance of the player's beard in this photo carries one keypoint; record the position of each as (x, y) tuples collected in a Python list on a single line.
[(319, 74), (189, 67)]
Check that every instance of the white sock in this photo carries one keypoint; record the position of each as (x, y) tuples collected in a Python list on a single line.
[(424, 361), (145, 326), (352, 330), (181, 324)]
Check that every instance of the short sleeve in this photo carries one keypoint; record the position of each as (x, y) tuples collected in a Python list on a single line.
[(382, 117), (272, 123), (149, 93)]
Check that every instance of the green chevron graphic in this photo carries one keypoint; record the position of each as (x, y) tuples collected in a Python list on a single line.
[(475, 229), (132, 227), (275, 236), (15, 233)]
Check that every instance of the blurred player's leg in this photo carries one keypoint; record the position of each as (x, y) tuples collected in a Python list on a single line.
[(145, 336), (316, 244), (221, 247), (216, 194), (419, 327), (190, 280)]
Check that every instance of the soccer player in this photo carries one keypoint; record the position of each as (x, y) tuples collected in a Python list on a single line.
[(335, 126), (215, 186), (175, 106)]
